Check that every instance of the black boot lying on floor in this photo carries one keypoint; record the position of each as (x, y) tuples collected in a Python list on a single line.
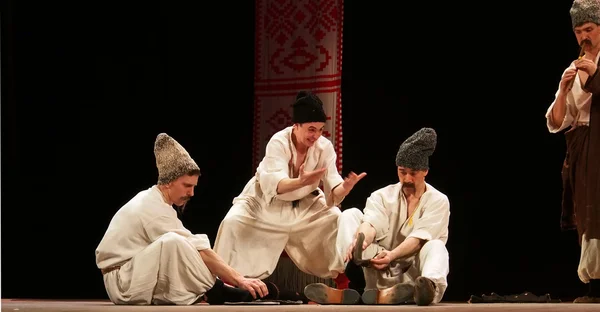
[(273, 291), (525, 297), (221, 293), (283, 296)]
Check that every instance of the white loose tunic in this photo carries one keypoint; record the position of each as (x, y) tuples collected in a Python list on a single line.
[(158, 257), (261, 224), (387, 211)]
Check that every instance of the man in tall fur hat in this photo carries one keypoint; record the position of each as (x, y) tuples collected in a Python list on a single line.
[(401, 239), (148, 257), (577, 106)]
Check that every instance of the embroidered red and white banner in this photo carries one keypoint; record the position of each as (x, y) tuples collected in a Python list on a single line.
[(298, 46)]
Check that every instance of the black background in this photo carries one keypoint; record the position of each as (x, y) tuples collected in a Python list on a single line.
[(87, 86)]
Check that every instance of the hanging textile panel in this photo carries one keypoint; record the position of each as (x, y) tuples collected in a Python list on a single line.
[(298, 46)]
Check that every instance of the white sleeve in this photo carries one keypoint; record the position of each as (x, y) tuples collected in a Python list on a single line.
[(332, 177), (376, 214), (165, 224), (273, 168), (433, 221), (571, 112)]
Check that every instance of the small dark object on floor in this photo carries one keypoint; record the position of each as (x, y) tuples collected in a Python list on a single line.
[(525, 297), (265, 302)]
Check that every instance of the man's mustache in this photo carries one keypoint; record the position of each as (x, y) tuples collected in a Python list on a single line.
[(407, 185)]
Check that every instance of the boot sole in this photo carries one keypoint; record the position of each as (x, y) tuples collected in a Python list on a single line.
[(357, 252), (323, 294), (397, 294), (424, 291)]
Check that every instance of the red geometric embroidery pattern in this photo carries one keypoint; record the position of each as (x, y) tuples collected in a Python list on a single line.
[(279, 120), (324, 18), (299, 59), (279, 23), (298, 47)]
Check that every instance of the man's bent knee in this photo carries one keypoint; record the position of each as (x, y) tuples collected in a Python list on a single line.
[(173, 240), (235, 215), (435, 244), (352, 214)]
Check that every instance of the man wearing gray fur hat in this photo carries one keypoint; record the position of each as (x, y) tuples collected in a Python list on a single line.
[(283, 207), (577, 106), (148, 257), (401, 239)]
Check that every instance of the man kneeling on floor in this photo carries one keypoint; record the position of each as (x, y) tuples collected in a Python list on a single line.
[(400, 240), (148, 257)]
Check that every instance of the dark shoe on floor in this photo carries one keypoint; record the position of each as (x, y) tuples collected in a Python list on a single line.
[(323, 294), (398, 294), (525, 297), (281, 295), (587, 299), (221, 293), (424, 291), (273, 291)]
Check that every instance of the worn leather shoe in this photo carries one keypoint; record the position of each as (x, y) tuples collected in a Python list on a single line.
[(424, 291), (587, 299), (323, 294), (398, 294)]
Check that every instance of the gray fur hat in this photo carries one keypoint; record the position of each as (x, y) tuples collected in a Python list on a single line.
[(414, 152), (172, 160), (585, 11)]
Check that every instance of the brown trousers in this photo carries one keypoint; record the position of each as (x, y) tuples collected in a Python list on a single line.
[(581, 178), (574, 171), (581, 171)]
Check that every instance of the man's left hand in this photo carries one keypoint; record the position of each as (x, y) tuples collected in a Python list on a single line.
[(382, 260), (352, 179), (587, 66)]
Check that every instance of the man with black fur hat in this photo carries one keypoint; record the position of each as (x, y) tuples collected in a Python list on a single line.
[(577, 105), (282, 207), (148, 257), (401, 239)]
